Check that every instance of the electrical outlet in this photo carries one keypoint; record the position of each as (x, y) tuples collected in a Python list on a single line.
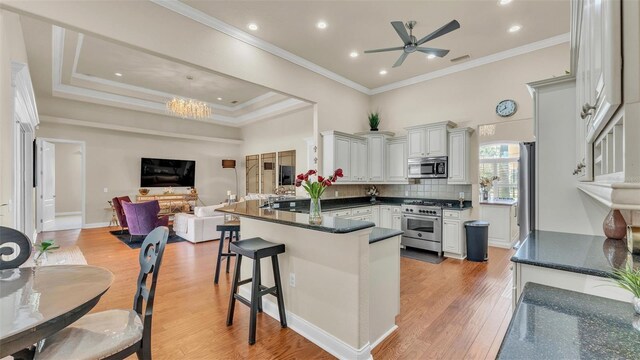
[(336, 193), (292, 204), (292, 279), (106, 190)]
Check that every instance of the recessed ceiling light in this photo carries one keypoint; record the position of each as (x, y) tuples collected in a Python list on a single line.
[(431, 56), (383, 72), (504, 2), (118, 74), (515, 28), (252, 27), (353, 54), (321, 25), (219, 99)]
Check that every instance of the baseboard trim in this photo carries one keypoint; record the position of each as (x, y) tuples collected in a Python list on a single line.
[(95, 225), (69, 213), (316, 335), (384, 336)]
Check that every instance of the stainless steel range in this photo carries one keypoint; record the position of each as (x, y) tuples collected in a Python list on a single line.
[(422, 225)]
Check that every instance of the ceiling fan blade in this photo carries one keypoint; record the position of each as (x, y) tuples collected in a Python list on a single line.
[(453, 25), (402, 31), (383, 50), (433, 51), (400, 59)]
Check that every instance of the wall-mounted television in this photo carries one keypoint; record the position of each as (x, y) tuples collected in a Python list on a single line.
[(167, 172)]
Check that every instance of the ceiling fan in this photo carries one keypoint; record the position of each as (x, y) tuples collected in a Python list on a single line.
[(411, 44)]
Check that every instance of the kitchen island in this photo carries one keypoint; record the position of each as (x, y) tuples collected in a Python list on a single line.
[(341, 279)]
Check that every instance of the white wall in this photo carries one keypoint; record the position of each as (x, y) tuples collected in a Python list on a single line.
[(113, 162), (11, 49), (68, 178), (284, 133)]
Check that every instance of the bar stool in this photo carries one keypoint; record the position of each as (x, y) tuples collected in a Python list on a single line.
[(256, 249), (224, 229)]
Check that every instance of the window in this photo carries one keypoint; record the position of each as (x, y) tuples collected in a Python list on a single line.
[(502, 160)]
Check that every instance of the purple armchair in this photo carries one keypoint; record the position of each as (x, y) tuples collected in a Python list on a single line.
[(117, 205), (142, 217)]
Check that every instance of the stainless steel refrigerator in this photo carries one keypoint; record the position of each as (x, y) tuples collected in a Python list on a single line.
[(527, 189)]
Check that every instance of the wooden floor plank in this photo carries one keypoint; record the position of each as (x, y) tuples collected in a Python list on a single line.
[(453, 310)]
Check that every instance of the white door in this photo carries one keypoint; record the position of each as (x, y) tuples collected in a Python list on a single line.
[(451, 236), (396, 161), (48, 184), (416, 140), (457, 157), (437, 141), (396, 222), (376, 158), (343, 157), (363, 166)]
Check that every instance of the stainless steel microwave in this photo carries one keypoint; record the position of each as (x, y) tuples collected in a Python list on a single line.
[(428, 168)]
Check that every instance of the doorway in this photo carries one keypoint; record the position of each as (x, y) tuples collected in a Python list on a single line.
[(61, 185)]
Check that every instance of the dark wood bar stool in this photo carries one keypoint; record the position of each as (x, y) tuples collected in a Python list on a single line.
[(256, 249), (225, 229)]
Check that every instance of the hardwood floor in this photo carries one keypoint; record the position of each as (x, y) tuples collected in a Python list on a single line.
[(454, 310)]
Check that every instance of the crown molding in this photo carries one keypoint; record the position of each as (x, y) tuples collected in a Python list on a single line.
[(112, 99), (130, 129), (521, 50), (221, 26)]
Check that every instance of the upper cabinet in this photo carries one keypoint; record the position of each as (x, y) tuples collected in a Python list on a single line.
[(459, 153), (428, 140), (396, 156), (376, 156), (598, 68), (345, 151)]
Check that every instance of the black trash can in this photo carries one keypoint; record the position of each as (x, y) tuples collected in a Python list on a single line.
[(477, 240)]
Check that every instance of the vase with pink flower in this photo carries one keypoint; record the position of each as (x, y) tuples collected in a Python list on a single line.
[(315, 185)]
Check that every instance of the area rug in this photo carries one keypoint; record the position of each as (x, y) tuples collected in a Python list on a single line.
[(63, 256), (136, 241), (422, 255)]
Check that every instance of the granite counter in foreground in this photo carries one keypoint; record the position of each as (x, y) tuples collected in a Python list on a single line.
[(551, 323), (253, 209), (583, 254)]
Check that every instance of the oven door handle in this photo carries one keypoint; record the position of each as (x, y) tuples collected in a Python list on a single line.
[(419, 217)]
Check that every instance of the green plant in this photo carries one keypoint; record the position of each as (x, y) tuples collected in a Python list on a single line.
[(628, 278), (45, 247), (374, 120)]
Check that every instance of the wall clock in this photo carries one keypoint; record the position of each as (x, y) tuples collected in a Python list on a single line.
[(506, 108)]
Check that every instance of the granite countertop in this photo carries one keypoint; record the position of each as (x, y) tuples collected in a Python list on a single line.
[(378, 234), (585, 254), (330, 204), (253, 209), (505, 202), (552, 323)]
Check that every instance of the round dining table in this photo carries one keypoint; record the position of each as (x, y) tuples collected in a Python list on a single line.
[(37, 302)]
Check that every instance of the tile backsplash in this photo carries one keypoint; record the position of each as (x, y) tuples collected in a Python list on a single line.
[(422, 188)]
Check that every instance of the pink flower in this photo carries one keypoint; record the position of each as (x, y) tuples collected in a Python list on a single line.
[(311, 172), (338, 173), (300, 177), (326, 182), (298, 182), (320, 178)]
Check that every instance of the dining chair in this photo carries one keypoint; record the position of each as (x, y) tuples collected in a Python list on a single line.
[(16, 240), (115, 334)]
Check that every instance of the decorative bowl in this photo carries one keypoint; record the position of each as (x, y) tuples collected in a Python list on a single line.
[(143, 191)]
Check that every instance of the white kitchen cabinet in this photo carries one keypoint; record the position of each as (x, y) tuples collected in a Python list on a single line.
[(428, 140), (599, 64), (375, 214), (347, 152), (376, 156), (503, 224), (390, 217), (459, 156), (358, 160), (396, 160), (454, 239)]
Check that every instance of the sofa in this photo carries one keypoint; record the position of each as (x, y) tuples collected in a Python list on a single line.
[(199, 226)]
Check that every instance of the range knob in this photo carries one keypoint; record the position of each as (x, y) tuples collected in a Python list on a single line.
[(411, 210)]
